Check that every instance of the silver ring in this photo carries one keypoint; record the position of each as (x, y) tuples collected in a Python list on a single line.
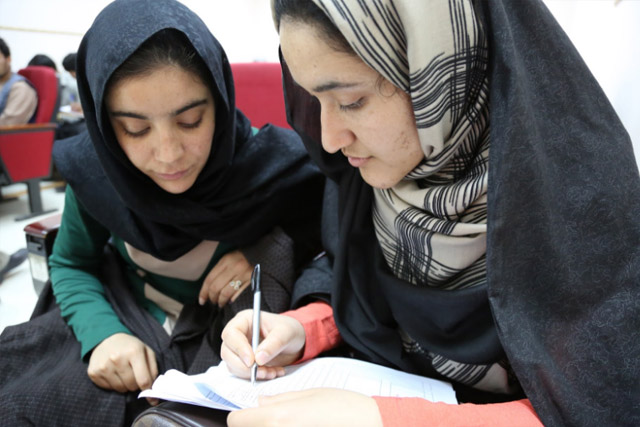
[(235, 284)]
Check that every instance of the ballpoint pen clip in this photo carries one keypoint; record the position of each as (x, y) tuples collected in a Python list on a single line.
[(255, 279)]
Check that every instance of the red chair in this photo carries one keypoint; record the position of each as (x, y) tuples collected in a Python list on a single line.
[(259, 92), (25, 150)]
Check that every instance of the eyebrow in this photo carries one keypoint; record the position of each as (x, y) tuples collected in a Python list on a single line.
[(333, 85), (173, 113)]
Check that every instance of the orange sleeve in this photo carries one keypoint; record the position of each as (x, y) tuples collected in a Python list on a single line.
[(321, 332), (417, 412)]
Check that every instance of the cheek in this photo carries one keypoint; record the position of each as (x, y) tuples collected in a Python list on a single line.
[(132, 150), (137, 154), (408, 145), (200, 145), (402, 147)]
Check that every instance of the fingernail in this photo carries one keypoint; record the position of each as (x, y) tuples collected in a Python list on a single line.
[(200, 300), (247, 360), (262, 357)]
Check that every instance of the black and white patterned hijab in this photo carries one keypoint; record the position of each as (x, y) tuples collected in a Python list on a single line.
[(432, 225), (561, 298)]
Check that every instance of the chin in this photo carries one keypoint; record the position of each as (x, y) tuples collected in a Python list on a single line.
[(379, 182), (175, 187)]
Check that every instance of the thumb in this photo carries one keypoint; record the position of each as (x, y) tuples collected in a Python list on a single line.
[(276, 341)]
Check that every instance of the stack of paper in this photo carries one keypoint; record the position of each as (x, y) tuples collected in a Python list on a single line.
[(218, 388)]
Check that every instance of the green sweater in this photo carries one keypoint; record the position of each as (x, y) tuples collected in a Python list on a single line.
[(75, 266)]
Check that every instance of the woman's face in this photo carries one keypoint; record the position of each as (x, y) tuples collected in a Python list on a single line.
[(372, 124), (164, 122)]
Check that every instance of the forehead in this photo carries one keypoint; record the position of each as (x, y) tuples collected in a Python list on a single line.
[(313, 62), (165, 85)]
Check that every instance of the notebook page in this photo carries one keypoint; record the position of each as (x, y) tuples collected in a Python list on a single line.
[(332, 372), (179, 387)]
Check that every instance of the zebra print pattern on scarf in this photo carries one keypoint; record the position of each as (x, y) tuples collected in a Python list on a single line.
[(432, 225)]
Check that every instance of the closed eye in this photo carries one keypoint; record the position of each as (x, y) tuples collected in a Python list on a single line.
[(191, 125), (352, 106), (137, 134)]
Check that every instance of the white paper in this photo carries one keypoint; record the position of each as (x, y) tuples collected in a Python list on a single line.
[(218, 388)]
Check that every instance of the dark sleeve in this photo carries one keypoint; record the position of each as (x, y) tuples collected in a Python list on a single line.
[(275, 254), (314, 283), (290, 279), (75, 265)]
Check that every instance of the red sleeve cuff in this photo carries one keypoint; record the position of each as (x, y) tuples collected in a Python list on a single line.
[(321, 332), (414, 412)]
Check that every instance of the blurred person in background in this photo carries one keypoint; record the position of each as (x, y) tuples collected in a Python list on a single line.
[(18, 98)]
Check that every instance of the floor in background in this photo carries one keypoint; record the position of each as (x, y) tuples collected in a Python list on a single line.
[(17, 295)]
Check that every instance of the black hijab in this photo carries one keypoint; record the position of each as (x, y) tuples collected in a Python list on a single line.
[(562, 294), (249, 184)]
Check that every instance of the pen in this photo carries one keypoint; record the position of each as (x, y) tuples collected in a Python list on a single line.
[(255, 337)]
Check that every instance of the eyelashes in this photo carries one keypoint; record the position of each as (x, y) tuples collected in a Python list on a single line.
[(353, 106), (143, 132), (138, 134), (191, 125)]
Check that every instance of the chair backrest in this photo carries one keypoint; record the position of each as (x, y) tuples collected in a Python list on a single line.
[(45, 81), (25, 153), (259, 92)]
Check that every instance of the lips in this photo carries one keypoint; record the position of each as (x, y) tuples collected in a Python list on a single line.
[(357, 162), (172, 176)]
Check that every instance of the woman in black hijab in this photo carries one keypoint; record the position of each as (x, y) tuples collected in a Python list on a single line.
[(185, 196), (486, 219)]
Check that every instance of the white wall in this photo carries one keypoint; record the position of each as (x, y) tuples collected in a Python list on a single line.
[(606, 33)]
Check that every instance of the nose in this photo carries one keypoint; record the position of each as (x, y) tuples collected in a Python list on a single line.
[(335, 134), (168, 147)]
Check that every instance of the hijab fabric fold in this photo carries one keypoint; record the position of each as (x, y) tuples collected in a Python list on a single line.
[(248, 184), (543, 201)]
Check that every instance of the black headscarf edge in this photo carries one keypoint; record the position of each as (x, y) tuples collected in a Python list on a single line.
[(235, 200)]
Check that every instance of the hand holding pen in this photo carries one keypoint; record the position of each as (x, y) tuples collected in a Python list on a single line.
[(247, 356)]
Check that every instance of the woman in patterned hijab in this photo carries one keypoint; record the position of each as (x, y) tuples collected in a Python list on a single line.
[(485, 233)]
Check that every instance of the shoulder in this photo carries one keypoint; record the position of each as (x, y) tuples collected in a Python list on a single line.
[(22, 86), (77, 161)]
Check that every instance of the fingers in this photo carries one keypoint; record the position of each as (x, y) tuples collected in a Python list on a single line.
[(152, 401), (113, 375), (282, 344), (236, 350), (153, 364), (123, 363), (144, 368), (229, 291), (107, 380), (231, 269), (211, 277)]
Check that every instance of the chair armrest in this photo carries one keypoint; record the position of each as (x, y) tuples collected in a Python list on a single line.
[(45, 228), (30, 127), (40, 236), (176, 414)]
